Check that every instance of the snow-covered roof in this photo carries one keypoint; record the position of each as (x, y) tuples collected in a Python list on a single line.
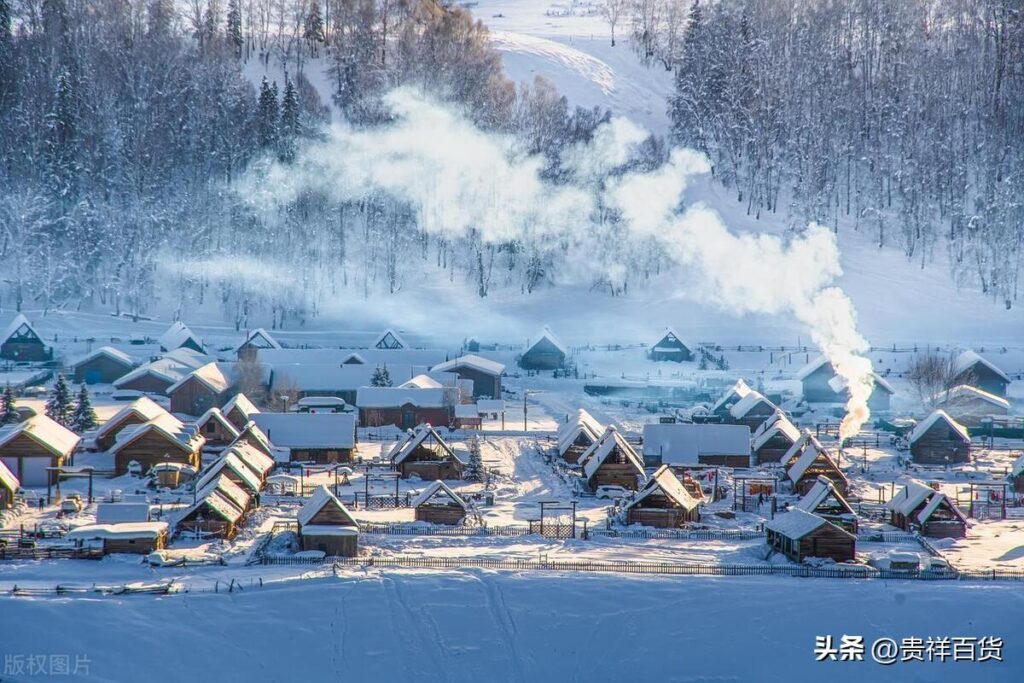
[(912, 495), (177, 335), (322, 401), (777, 424), (389, 339), (110, 352), (218, 503), (184, 468), (321, 498), (938, 499), (224, 486), (255, 459), (683, 443), (665, 480), (669, 334), (737, 391), (439, 490), (216, 415), (329, 530), (968, 359), (185, 436), (473, 362), (812, 367), (115, 513), (811, 454), (806, 440), (217, 377), (144, 409), (51, 435), (424, 358), (242, 404), (817, 494), (260, 339), (567, 437), (546, 333), (965, 392), (421, 382), (413, 439), (114, 532), (1018, 466), (19, 321), (393, 397), (466, 410), (491, 405), (172, 367), (252, 430), (7, 478), (922, 427), (838, 383), (610, 442), (331, 378), (796, 524), (230, 461), (748, 403), (308, 430)]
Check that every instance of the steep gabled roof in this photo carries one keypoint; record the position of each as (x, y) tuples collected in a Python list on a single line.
[(7, 478), (737, 392), (217, 377), (812, 454), (49, 434), (819, 493), (439, 489), (216, 415), (473, 362), (260, 339), (912, 495), (215, 501), (255, 460), (665, 481), (546, 333), (965, 392), (241, 403), (779, 424), (968, 359), (177, 335), (748, 403), (796, 524), (610, 442), (231, 491), (389, 339), (19, 322), (922, 427), (144, 408), (172, 367), (583, 423), (413, 439), (110, 352), (938, 499), (671, 332), (231, 462), (320, 499), (812, 367), (186, 437)]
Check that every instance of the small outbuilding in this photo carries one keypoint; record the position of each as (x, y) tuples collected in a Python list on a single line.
[(171, 475), (939, 440), (325, 524), (425, 454), (671, 347), (20, 342), (578, 434), (825, 500), (972, 369), (179, 336), (721, 407), (213, 514), (663, 502), (484, 373), (814, 462), (547, 353), (773, 439), (800, 535), (612, 461), (971, 406), (105, 365), (918, 507), (255, 340), (239, 410), (438, 504), (126, 537), (752, 410)]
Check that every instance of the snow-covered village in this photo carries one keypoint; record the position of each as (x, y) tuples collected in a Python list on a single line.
[(511, 340)]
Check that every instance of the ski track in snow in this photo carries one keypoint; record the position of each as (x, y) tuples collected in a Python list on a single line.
[(588, 68)]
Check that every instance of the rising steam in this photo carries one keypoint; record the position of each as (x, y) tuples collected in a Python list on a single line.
[(459, 178)]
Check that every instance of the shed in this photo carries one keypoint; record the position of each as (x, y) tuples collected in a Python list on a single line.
[(29, 448), (139, 411), (973, 369), (663, 502), (171, 475), (970, 406), (316, 437), (918, 507), (216, 428), (425, 454), (547, 353), (105, 365), (179, 336), (255, 340), (255, 459), (467, 416), (825, 500), (696, 444), (325, 524), (611, 461), (484, 372), (671, 347), (939, 440), (20, 342), (438, 504), (126, 537), (799, 535), (213, 514), (773, 439)]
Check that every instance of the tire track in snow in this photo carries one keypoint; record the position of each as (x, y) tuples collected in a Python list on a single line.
[(503, 618), (588, 67), (404, 627)]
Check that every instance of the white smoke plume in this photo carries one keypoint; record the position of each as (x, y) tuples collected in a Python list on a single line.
[(459, 178)]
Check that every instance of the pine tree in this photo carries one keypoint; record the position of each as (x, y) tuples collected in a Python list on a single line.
[(63, 130), (58, 406), (289, 129), (381, 377), (267, 115), (8, 409), (314, 28), (234, 26), (84, 417), (475, 466)]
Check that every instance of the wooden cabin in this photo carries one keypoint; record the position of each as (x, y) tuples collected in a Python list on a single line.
[(9, 486), (389, 339), (547, 353), (178, 336), (28, 448), (313, 437), (209, 386), (663, 502), (483, 372), (425, 454), (611, 461), (821, 384), (939, 440), (232, 467), (139, 538), (325, 524), (751, 410), (406, 406), (216, 428), (824, 500), (970, 406), (255, 341), (255, 459), (918, 507), (438, 504), (254, 437), (157, 376), (721, 407), (139, 411), (682, 444), (799, 535), (21, 343), (163, 439), (814, 462), (578, 434), (105, 365), (239, 411), (773, 439), (974, 370), (671, 347), (213, 515)]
